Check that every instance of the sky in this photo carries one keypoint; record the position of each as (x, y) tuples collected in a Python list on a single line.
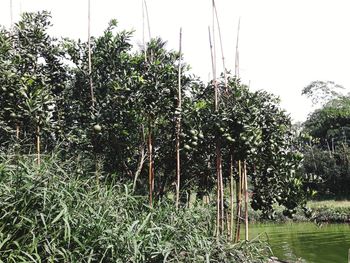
[(283, 44)]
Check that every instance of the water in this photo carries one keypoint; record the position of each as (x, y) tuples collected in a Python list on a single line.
[(307, 242)]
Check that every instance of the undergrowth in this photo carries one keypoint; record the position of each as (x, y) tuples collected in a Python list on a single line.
[(56, 212)]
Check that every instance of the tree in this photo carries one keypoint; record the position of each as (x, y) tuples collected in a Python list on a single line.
[(35, 78), (324, 140), (321, 92), (46, 87)]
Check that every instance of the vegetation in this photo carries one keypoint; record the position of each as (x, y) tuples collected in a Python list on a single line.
[(77, 165), (324, 142), (330, 211), (318, 212), (57, 213), (136, 104)]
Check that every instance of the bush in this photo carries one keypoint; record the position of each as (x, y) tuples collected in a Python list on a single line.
[(331, 214)]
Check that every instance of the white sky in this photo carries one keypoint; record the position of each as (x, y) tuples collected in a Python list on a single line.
[(284, 44)]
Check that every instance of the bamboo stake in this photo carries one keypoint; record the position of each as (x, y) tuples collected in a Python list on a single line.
[(17, 131), (142, 157), (218, 225), (38, 145), (150, 168), (89, 55), (215, 14), (218, 217), (11, 26), (218, 147), (11, 14), (93, 99), (221, 46), (228, 225), (143, 30), (222, 219), (231, 198), (237, 52), (149, 27), (214, 42), (225, 81), (239, 200), (150, 148), (246, 200), (239, 186), (213, 70), (178, 128), (148, 23)]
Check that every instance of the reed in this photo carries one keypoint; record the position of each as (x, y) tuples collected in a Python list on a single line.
[(62, 216)]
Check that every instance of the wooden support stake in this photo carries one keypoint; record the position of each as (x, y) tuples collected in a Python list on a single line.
[(221, 46), (237, 51), (150, 168), (239, 203), (222, 214), (11, 14), (148, 23), (178, 128), (231, 199), (89, 55), (38, 144), (17, 131), (217, 150), (246, 200)]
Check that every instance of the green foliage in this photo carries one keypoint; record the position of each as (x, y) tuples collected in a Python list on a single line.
[(56, 213), (327, 172), (332, 121), (318, 212), (331, 214), (32, 77), (250, 126), (324, 141), (46, 84)]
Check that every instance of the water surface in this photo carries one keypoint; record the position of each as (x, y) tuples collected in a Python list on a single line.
[(328, 243)]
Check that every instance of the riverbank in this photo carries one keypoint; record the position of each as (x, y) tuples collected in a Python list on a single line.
[(329, 211)]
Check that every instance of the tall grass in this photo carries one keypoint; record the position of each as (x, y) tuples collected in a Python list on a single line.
[(55, 212)]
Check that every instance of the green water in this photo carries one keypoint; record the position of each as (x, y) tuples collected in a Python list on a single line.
[(306, 241)]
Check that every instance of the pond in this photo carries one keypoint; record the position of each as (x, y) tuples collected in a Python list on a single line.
[(328, 243)]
